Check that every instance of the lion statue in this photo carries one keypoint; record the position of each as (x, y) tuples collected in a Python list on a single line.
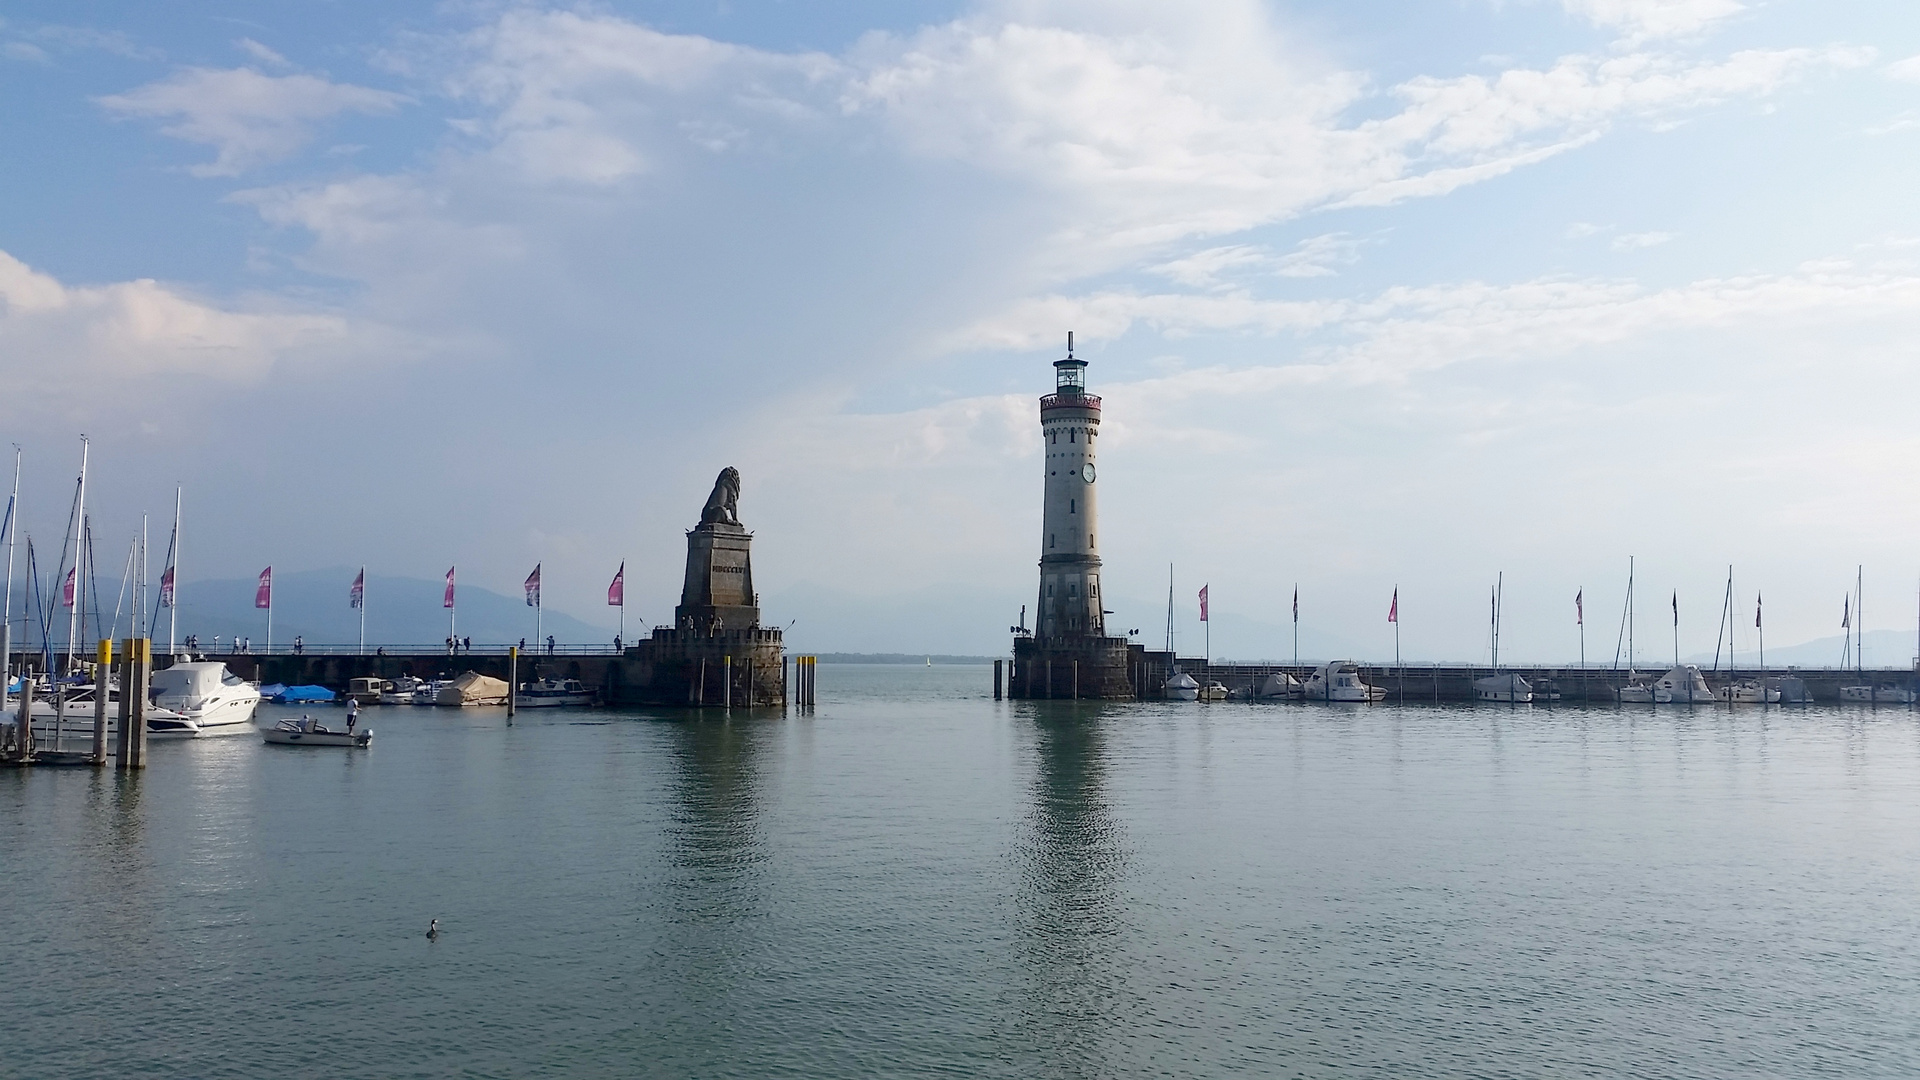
[(723, 506)]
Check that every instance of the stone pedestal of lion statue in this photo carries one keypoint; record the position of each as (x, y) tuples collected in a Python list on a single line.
[(716, 652)]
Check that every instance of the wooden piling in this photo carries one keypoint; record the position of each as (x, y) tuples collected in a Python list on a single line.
[(996, 679), (726, 682), (136, 669), (700, 694), (1076, 680), (24, 724), (513, 677), (102, 687)]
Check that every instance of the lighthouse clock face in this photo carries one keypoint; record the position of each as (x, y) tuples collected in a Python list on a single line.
[(1086, 472)]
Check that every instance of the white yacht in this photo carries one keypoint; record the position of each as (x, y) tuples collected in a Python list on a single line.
[(548, 693), (1214, 691), (1683, 685), (76, 713), (1509, 688), (217, 701), (1182, 687), (1339, 680), (1878, 695)]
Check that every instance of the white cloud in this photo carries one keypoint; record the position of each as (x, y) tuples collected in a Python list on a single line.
[(249, 118), (1644, 20), (1223, 267), (261, 53), (1407, 328), (1153, 139), (1907, 70), (1580, 230), (1636, 241), (55, 334), (21, 50)]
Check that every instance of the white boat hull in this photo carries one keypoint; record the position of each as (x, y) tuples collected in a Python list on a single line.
[(290, 733), (551, 701)]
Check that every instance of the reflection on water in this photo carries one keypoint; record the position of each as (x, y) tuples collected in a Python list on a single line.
[(1072, 859), (916, 880)]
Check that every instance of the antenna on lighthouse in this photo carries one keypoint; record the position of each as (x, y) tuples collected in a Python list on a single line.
[(1069, 344)]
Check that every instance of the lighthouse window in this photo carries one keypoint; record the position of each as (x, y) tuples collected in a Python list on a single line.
[(1070, 508), (1073, 434), (1073, 592), (1050, 539)]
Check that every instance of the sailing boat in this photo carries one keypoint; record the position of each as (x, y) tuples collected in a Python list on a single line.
[(1508, 687), (1179, 685), (1742, 691), (1639, 688)]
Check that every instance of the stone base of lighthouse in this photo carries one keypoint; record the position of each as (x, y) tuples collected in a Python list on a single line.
[(1081, 666)]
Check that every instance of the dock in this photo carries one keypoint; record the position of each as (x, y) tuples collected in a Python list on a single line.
[(1439, 683)]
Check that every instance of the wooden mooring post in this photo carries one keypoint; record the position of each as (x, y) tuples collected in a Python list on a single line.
[(726, 689), (513, 677), (135, 669), (102, 685), (996, 679)]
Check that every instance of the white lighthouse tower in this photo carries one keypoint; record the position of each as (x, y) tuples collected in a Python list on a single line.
[(1070, 531)]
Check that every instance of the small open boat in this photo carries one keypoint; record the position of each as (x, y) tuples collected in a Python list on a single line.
[(308, 732), (1213, 691)]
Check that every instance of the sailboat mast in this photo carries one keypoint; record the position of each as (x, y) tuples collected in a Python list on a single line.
[(6, 620), (79, 513), (1630, 618), (173, 564)]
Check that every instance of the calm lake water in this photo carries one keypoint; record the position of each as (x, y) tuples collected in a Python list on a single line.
[(916, 880)]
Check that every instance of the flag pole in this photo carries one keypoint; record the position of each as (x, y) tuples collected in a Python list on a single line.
[(363, 610), (269, 611)]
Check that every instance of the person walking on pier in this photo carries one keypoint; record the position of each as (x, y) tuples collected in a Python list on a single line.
[(549, 644), (467, 644)]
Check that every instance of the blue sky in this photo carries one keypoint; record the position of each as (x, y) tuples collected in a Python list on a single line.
[(1378, 295)]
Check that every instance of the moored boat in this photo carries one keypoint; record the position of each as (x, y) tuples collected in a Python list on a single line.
[(400, 691), (550, 693), (368, 690), (1181, 687), (1339, 680), (1213, 691), (1277, 685), (1684, 685), (216, 700), (1508, 689), (1748, 692)]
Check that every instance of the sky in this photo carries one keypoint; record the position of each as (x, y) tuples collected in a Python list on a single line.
[(1394, 296)]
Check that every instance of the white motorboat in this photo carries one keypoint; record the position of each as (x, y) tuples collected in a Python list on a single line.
[(1339, 680), (1748, 692), (307, 732), (1637, 691), (1213, 691), (1878, 695), (216, 700), (76, 712), (1509, 688), (549, 693), (427, 692), (1683, 685), (400, 691), (1277, 685), (1181, 687)]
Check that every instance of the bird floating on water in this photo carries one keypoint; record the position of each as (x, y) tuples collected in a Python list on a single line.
[(433, 930)]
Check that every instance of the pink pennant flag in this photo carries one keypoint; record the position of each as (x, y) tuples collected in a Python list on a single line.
[(617, 592), (263, 592), (357, 595), (1393, 612), (533, 587), (66, 590), (448, 602), (1579, 608), (166, 587), (1203, 603)]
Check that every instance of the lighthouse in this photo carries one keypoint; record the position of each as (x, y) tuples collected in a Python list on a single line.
[(1067, 653), (1069, 537)]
